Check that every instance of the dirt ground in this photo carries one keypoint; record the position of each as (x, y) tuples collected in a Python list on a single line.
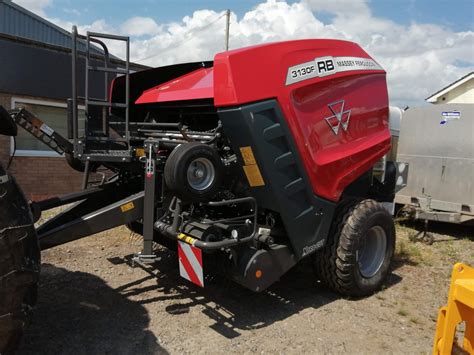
[(91, 301)]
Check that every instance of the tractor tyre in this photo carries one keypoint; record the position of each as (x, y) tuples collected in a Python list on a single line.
[(19, 263), (357, 255)]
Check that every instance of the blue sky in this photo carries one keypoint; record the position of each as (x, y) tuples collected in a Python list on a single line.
[(458, 15), (423, 45)]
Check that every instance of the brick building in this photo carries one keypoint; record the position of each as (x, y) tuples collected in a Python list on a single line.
[(35, 73)]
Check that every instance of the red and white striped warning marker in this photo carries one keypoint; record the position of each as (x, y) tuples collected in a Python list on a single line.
[(190, 263)]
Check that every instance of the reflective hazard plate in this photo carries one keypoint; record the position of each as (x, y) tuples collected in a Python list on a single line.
[(251, 169), (254, 176), (190, 263)]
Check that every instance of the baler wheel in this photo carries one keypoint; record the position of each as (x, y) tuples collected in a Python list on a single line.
[(19, 263), (194, 171), (360, 246)]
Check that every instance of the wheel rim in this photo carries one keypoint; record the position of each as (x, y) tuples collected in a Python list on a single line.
[(371, 253), (201, 174)]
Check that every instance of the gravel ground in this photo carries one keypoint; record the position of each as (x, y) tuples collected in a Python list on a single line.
[(91, 301)]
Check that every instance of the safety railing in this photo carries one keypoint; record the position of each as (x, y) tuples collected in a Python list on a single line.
[(104, 105)]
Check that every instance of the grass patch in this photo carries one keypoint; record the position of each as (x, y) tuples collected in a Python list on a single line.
[(402, 312), (414, 253), (407, 252), (450, 251)]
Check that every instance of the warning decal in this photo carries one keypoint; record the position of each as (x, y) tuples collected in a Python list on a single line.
[(127, 207), (190, 263), (251, 169)]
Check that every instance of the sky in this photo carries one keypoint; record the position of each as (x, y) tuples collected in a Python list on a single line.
[(423, 45)]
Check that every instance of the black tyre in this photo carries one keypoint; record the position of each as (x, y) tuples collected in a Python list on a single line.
[(193, 171), (19, 263), (356, 258)]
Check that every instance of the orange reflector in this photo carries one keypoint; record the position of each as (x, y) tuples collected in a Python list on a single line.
[(139, 152), (258, 274)]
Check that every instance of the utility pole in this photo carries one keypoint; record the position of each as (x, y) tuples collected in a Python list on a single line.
[(227, 25)]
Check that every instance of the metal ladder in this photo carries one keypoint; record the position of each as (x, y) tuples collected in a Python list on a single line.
[(105, 104)]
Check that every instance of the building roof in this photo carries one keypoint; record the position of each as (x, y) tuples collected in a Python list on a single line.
[(18, 22), (434, 97)]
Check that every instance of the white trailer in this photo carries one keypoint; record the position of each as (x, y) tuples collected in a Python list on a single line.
[(438, 144)]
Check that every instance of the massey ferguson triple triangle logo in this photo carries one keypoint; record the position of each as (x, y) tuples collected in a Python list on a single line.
[(339, 118)]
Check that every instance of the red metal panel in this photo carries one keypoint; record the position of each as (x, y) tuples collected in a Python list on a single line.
[(334, 161), (195, 85), (331, 161)]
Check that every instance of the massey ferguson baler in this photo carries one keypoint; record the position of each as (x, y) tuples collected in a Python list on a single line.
[(245, 165)]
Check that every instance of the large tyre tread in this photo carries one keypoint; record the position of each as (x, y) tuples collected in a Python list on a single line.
[(325, 259), (19, 265), (336, 261)]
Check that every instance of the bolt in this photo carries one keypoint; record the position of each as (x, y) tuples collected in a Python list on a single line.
[(234, 233), (199, 173)]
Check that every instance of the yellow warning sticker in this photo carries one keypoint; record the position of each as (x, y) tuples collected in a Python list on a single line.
[(139, 152), (127, 207), (186, 238), (247, 155), (253, 175), (251, 168)]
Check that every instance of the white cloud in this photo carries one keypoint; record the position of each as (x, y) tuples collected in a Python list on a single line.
[(140, 26), (201, 36), (419, 58), (36, 6)]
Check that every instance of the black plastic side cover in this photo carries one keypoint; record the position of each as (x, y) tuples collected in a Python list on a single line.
[(287, 188)]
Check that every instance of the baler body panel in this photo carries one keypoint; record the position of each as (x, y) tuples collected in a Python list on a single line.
[(144, 82), (193, 86), (331, 159)]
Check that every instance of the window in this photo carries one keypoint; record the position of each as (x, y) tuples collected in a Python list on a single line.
[(54, 115)]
